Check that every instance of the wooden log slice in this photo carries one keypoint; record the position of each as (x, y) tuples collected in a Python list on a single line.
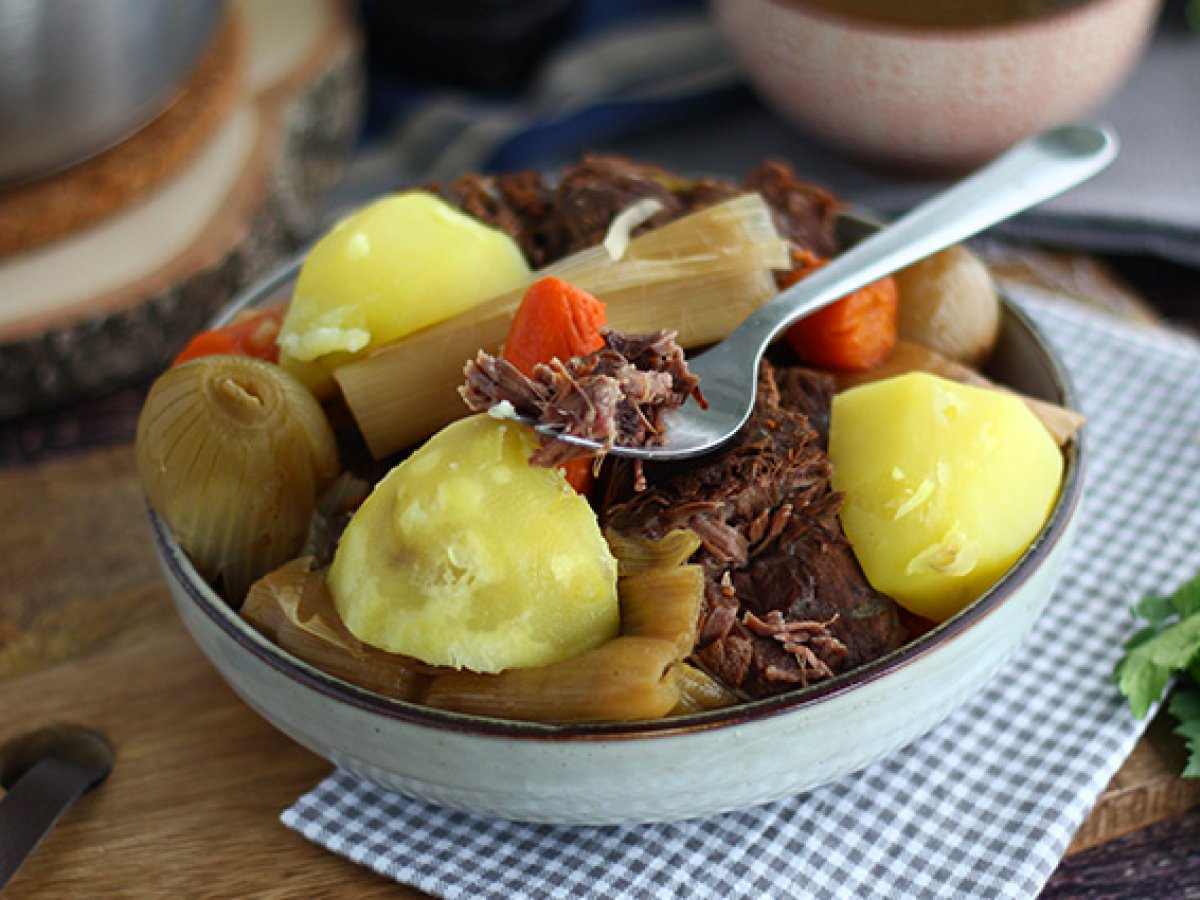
[(110, 304)]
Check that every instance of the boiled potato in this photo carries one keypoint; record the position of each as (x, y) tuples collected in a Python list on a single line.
[(949, 303), (395, 266), (946, 485), (465, 555)]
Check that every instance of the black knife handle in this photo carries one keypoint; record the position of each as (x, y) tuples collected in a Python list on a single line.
[(32, 806)]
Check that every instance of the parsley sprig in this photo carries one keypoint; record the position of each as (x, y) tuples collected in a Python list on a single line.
[(1167, 647)]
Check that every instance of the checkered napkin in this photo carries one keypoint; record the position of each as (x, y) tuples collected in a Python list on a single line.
[(982, 806)]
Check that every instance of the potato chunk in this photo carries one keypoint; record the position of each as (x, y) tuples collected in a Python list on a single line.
[(946, 485), (395, 266), (465, 555)]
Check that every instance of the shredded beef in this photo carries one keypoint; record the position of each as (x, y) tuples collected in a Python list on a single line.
[(785, 601), (804, 212), (519, 204), (550, 222), (615, 396), (592, 192)]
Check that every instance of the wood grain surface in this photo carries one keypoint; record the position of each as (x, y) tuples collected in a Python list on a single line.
[(191, 808), (1158, 862)]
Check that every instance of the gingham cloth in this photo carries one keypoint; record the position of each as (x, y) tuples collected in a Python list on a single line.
[(984, 805)]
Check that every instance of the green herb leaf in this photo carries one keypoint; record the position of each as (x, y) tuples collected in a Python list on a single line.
[(1186, 600), (1185, 706), (1142, 683), (1143, 673), (1140, 637), (1168, 646), (1154, 608)]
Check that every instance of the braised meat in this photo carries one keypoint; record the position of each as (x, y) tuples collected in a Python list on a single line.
[(519, 204), (617, 395), (805, 213), (551, 222), (592, 192), (786, 603)]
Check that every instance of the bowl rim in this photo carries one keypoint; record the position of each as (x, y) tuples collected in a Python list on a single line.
[(332, 688), (1013, 28)]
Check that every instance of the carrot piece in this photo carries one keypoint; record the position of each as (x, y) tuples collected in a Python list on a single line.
[(250, 334), (856, 333), (556, 319), (579, 474)]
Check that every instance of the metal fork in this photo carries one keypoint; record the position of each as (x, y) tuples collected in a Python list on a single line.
[(1029, 173)]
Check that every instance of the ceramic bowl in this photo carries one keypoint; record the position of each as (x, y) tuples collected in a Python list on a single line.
[(631, 773), (925, 97)]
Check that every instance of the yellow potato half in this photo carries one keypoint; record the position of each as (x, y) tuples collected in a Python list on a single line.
[(946, 485), (395, 266), (465, 555)]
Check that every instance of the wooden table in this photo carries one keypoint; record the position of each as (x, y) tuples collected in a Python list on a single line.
[(87, 634)]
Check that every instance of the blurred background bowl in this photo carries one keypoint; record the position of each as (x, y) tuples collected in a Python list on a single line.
[(78, 76), (938, 85)]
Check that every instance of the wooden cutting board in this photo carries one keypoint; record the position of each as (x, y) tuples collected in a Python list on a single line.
[(104, 268), (87, 634)]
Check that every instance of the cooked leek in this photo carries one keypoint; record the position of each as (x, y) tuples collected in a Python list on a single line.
[(233, 453), (699, 691), (636, 554), (291, 606), (627, 678), (663, 604)]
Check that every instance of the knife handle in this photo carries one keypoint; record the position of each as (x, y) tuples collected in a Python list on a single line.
[(31, 807)]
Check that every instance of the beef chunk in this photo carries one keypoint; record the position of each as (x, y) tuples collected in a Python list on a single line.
[(786, 603), (592, 193), (707, 192), (519, 204), (551, 222), (617, 395), (809, 393), (805, 213)]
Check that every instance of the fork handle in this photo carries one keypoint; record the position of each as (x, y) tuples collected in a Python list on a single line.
[(1032, 171)]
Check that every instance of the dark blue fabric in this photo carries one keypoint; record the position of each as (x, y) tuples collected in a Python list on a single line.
[(393, 94), (549, 142)]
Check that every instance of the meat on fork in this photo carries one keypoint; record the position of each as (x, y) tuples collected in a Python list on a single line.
[(617, 395)]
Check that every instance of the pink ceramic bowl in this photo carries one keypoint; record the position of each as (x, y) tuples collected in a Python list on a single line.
[(932, 97)]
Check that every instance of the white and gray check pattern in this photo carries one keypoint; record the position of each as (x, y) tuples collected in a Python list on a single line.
[(984, 805)]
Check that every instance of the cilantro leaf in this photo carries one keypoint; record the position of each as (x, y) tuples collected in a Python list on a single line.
[(1144, 671), (1168, 646), (1154, 608), (1185, 707), (1183, 602), (1140, 637), (1143, 683), (1186, 599)]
